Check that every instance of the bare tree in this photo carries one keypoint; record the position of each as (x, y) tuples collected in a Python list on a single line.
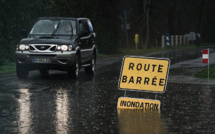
[(146, 7)]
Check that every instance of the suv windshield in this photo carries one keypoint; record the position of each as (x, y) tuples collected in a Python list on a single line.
[(54, 27)]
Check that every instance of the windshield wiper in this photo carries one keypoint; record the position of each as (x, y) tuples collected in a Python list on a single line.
[(56, 29)]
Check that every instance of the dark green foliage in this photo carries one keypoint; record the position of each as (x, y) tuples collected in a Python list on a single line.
[(16, 15), (204, 72), (165, 16), (104, 17)]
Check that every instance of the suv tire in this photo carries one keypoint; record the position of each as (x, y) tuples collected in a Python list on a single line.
[(73, 71), (91, 69)]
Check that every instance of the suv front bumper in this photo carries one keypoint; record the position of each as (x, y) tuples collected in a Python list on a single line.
[(58, 60)]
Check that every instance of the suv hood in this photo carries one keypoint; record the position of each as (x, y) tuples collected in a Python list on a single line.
[(48, 41)]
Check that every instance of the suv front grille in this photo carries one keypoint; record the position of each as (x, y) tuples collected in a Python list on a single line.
[(42, 47)]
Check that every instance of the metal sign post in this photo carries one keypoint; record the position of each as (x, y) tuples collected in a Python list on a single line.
[(208, 66), (205, 59)]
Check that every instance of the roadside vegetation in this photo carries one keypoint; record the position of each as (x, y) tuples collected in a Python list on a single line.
[(145, 51), (10, 67), (204, 72)]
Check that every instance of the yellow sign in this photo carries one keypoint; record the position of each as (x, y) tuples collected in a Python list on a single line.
[(136, 38), (144, 74), (134, 103)]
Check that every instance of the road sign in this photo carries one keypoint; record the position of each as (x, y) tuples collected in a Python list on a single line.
[(205, 56), (167, 39), (144, 74), (136, 40), (205, 59), (135, 103)]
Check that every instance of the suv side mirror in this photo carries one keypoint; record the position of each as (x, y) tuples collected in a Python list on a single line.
[(24, 32)]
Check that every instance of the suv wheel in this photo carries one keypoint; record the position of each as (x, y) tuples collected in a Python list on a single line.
[(90, 69), (21, 72), (73, 71)]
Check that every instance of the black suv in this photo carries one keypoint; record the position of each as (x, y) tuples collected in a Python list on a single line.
[(56, 43)]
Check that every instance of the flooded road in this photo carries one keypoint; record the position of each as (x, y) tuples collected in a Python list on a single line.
[(89, 105)]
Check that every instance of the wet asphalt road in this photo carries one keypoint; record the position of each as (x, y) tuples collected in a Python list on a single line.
[(89, 105)]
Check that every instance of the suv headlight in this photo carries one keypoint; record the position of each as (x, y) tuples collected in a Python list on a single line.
[(64, 48), (22, 47)]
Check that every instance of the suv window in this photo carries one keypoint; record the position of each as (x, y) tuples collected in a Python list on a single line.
[(58, 27), (66, 27), (83, 28), (44, 27)]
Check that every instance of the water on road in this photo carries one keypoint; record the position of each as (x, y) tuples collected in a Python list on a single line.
[(89, 104)]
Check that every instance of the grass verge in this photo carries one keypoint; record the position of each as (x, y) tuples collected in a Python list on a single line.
[(102, 56), (204, 72), (8, 68), (158, 49)]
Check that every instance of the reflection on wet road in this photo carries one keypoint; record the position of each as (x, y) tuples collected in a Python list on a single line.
[(62, 111), (24, 105), (140, 121), (89, 104)]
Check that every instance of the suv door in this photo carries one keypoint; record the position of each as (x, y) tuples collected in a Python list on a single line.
[(85, 39)]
